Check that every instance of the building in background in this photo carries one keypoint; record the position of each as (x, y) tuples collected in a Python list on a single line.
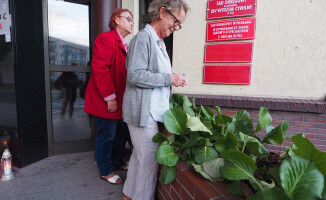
[(65, 53)]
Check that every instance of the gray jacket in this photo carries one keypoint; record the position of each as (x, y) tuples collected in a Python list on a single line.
[(142, 77)]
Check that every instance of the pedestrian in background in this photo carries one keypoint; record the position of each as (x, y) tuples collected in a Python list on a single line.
[(147, 94), (68, 83), (104, 94)]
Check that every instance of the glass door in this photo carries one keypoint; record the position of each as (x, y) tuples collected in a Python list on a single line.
[(68, 53)]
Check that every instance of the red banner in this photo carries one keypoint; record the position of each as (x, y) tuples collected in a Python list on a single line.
[(227, 74), (234, 29), (229, 52), (230, 8)]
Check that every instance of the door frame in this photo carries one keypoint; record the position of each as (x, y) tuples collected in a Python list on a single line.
[(65, 147)]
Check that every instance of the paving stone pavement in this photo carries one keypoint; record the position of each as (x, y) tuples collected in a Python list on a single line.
[(72, 176)]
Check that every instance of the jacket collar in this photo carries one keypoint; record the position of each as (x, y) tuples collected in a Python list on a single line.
[(119, 39)]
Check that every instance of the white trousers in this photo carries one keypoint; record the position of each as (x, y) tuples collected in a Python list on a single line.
[(143, 167)]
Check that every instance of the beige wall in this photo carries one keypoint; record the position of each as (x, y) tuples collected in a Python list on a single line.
[(289, 58), (133, 6)]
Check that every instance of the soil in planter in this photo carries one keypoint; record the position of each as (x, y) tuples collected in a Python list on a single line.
[(263, 164)]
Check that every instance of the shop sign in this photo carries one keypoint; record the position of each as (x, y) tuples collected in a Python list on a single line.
[(230, 8), (229, 52), (227, 74), (5, 19), (234, 29)]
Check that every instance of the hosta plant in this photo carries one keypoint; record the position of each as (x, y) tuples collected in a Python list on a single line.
[(228, 149)]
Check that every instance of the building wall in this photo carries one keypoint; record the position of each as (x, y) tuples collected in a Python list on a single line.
[(288, 57), (133, 6)]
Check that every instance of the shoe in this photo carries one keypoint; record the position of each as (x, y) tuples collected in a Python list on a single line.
[(125, 197), (115, 179), (123, 167)]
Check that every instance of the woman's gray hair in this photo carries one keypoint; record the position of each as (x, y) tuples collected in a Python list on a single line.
[(154, 7)]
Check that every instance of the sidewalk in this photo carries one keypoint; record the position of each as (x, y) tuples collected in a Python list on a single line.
[(73, 176)]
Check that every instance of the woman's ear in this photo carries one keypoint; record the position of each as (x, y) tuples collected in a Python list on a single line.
[(162, 13), (117, 20)]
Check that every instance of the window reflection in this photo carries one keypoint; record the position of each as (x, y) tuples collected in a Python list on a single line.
[(68, 33), (70, 122)]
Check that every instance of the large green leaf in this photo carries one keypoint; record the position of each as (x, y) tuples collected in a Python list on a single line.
[(228, 141), (194, 124), (218, 119), (178, 145), (324, 192), (204, 154), (274, 173), (269, 129), (186, 154), (207, 123), (200, 170), (264, 117), (194, 104), (301, 179), (190, 111), (212, 168), (171, 138), (245, 127), (192, 141), (241, 115), (238, 166), (253, 145), (175, 121), (207, 112), (165, 155), (178, 99), (186, 102), (307, 150), (271, 194), (168, 174), (159, 138), (226, 119), (277, 133), (234, 188), (200, 142)]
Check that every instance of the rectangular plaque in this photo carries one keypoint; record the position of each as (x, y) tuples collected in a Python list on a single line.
[(229, 52), (230, 8), (234, 29), (227, 74)]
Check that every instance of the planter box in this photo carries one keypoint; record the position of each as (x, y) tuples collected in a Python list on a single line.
[(191, 185)]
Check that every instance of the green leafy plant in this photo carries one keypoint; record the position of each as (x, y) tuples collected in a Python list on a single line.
[(223, 148)]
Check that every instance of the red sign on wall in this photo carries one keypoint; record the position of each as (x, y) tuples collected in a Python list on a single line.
[(230, 8), (229, 52), (227, 74), (234, 29)]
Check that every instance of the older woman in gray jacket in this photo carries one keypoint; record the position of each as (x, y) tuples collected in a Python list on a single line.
[(147, 93)]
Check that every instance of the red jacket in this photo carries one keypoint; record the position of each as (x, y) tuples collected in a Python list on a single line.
[(108, 75)]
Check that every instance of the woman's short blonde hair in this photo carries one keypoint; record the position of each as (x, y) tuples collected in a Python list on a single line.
[(154, 7)]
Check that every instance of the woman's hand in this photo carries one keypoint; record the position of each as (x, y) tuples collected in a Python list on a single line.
[(178, 80), (112, 105)]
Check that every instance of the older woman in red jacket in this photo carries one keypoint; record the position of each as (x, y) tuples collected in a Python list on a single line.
[(105, 91)]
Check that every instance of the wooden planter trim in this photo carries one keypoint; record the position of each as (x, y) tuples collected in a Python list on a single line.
[(191, 185)]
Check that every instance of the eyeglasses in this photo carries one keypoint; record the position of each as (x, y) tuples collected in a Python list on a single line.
[(128, 18), (176, 21)]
